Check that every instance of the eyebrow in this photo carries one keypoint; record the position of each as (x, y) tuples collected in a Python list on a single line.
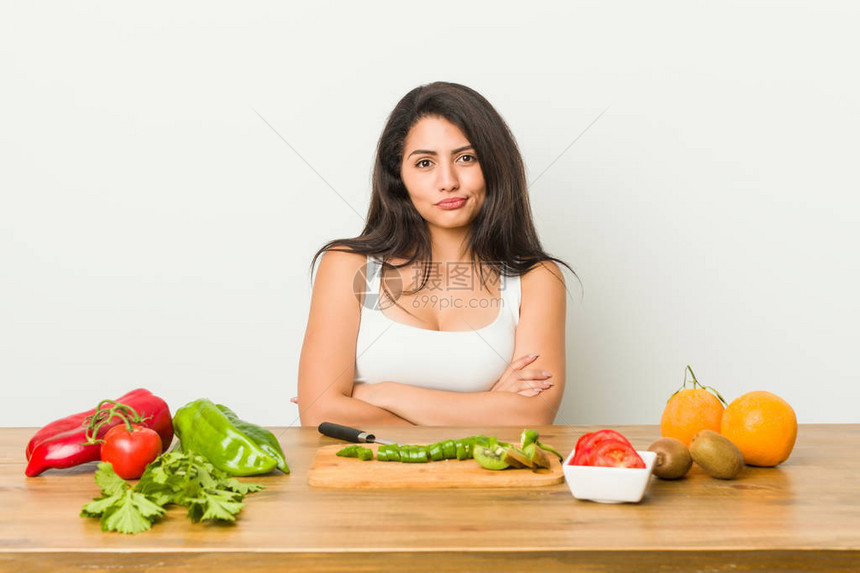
[(430, 152)]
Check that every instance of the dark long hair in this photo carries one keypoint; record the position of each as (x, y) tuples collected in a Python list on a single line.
[(501, 239)]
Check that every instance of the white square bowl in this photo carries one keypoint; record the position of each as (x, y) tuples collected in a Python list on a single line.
[(609, 485)]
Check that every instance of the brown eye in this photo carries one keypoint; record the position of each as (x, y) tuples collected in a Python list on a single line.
[(423, 163), (467, 158)]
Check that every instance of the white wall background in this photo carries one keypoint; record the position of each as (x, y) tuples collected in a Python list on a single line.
[(156, 232)]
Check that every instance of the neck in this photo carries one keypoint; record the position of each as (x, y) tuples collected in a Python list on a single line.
[(449, 245)]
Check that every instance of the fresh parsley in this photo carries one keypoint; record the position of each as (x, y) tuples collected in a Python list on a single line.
[(180, 478)]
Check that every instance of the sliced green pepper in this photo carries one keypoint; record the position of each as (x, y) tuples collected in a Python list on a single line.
[(355, 451), (388, 453), (348, 452), (414, 455), (436, 452), (460, 449)]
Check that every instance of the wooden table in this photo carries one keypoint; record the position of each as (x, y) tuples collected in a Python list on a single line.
[(803, 515)]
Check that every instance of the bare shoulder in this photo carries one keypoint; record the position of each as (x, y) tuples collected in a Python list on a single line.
[(340, 279), (543, 277), (341, 262), (544, 293)]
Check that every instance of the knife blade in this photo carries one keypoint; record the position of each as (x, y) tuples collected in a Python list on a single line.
[(349, 434)]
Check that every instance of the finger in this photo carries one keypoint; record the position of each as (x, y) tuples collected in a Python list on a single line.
[(530, 392), (533, 374), (535, 384), (519, 363), (523, 361)]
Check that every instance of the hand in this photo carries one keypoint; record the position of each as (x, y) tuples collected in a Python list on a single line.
[(521, 381)]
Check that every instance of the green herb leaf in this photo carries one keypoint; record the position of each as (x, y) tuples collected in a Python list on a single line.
[(99, 505), (147, 508), (126, 517), (108, 481), (215, 505), (205, 477), (160, 494), (235, 485)]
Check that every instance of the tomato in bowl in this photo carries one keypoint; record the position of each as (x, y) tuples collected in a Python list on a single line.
[(605, 467)]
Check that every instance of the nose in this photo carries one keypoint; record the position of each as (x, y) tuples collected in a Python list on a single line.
[(447, 177)]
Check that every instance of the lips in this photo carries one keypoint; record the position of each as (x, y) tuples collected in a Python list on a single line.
[(451, 202)]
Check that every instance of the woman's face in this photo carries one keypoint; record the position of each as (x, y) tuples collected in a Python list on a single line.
[(442, 174)]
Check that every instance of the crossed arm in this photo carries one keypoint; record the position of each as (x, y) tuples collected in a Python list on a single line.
[(524, 395)]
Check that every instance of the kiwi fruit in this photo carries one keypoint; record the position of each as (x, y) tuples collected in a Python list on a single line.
[(532, 457), (517, 459), (673, 458), (717, 455), (490, 458), (540, 458)]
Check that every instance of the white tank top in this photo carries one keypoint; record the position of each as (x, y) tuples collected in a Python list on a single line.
[(459, 361)]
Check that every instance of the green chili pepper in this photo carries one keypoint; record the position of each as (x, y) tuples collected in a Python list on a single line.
[(355, 451), (393, 452), (261, 436), (529, 450), (469, 443), (347, 452), (531, 437), (528, 437), (461, 450), (436, 452), (481, 440), (449, 449), (413, 455), (549, 449), (203, 428)]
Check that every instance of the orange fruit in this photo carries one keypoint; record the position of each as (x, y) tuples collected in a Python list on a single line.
[(763, 426), (689, 411)]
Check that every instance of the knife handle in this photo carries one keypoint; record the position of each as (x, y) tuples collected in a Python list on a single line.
[(345, 433)]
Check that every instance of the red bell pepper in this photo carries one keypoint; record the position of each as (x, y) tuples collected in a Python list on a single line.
[(63, 443)]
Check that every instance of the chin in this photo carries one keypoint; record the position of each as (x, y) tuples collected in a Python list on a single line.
[(451, 225)]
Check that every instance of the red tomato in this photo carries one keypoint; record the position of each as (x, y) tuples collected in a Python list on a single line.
[(130, 452), (616, 454), (584, 452)]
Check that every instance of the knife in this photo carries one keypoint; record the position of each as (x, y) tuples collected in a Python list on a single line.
[(349, 434)]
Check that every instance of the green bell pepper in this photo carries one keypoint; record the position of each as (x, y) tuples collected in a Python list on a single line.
[(261, 436), (203, 427)]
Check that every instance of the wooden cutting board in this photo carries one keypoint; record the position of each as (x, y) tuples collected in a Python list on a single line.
[(329, 470)]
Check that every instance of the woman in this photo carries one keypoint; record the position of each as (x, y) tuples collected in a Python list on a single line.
[(449, 218)]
